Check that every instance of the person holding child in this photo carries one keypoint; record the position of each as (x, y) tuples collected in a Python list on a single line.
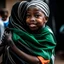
[(28, 40)]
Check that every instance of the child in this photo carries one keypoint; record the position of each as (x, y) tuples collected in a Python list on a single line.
[(5, 18), (28, 40)]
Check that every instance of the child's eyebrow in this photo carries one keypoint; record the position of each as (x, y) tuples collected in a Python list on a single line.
[(34, 10)]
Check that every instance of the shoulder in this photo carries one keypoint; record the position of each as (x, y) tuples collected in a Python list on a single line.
[(50, 36), (49, 29)]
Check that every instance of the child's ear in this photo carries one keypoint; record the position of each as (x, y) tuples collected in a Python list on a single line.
[(46, 18)]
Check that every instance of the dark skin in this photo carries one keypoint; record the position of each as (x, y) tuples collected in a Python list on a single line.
[(4, 15), (35, 19), (29, 58)]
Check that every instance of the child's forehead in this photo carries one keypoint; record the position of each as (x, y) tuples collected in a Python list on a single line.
[(33, 7)]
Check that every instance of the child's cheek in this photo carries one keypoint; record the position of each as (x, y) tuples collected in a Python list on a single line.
[(27, 20)]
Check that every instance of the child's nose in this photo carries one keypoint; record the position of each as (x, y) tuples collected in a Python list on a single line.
[(32, 18)]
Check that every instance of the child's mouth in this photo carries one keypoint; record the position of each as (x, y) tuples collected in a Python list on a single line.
[(32, 25)]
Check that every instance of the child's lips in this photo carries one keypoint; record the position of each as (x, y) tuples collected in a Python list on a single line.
[(32, 25)]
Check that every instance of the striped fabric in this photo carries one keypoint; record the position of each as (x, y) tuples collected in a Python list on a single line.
[(41, 5)]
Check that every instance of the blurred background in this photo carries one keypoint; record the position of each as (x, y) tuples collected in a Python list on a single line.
[(56, 22)]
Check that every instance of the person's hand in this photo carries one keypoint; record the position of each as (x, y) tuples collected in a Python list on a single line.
[(7, 38)]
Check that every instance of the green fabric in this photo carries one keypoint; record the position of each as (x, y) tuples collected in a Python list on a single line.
[(42, 44)]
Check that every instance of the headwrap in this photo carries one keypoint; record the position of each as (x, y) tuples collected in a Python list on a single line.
[(41, 5), (17, 18)]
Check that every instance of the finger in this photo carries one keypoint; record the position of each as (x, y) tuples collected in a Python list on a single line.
[(7, 30), (9, 34), (6, 33)]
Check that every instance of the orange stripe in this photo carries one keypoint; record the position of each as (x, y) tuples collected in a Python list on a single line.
[(42, 60)]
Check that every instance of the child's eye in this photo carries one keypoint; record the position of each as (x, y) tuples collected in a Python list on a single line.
[(28, 15), (37, 15)]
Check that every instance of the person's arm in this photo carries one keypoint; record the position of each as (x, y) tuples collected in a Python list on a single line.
[(29, 58)]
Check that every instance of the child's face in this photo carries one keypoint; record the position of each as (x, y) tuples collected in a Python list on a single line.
[(35, 18), (5, 16)]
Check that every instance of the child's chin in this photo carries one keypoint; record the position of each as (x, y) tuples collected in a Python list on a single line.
[(33, 28)]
